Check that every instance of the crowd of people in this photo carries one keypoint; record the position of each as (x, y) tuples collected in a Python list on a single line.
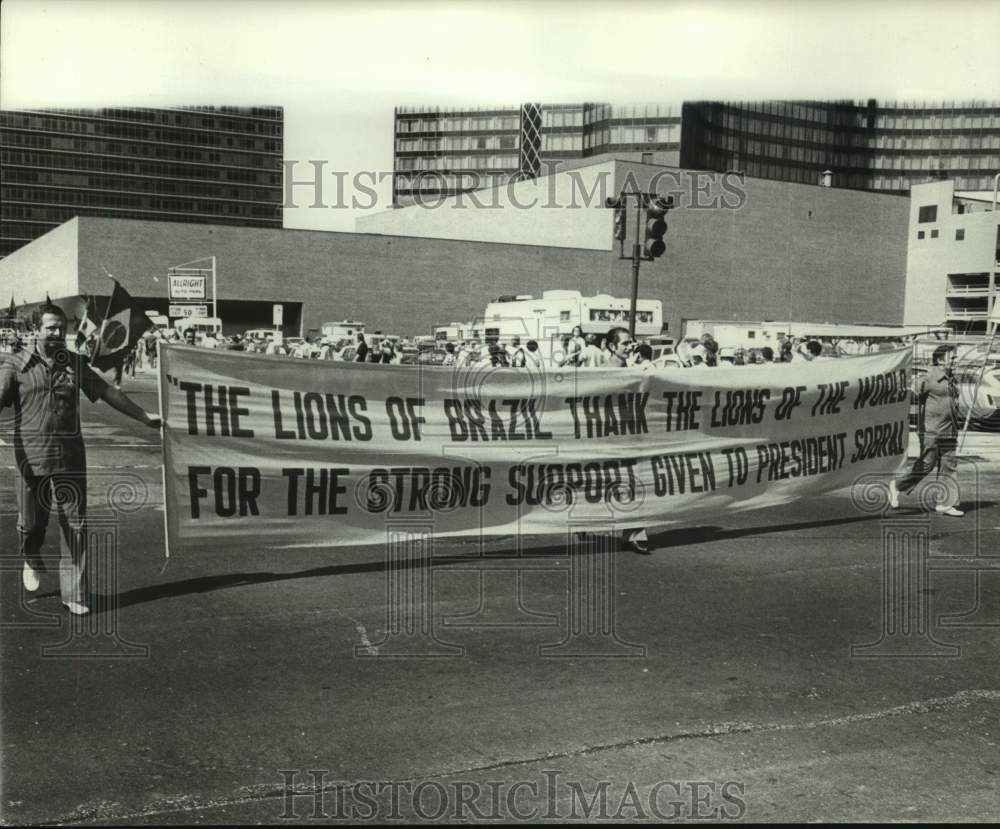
[(593, 350), (706, 351), (576, 349), (386, 350)]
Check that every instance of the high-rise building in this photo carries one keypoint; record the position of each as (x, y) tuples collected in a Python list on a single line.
[(885, 146), (440, 151), (213, 165)]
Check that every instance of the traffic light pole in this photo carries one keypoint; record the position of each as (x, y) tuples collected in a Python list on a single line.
[(636, 259), (650, 202)]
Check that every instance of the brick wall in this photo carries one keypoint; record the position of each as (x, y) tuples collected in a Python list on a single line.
[(804, 252), (398, 284), (788, 251)]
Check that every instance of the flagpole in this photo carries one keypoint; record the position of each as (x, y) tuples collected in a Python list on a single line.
[(107, 311), (979, 380), (163, 449)]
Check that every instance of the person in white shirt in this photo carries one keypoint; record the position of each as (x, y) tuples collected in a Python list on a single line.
[(592, 355), (517, 358)]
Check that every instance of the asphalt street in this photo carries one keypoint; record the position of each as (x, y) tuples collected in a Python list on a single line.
[(822, 661)]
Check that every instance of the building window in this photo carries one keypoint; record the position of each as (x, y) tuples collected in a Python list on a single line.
[(960, 234), (934, 234), (920, 234), (927, 214)]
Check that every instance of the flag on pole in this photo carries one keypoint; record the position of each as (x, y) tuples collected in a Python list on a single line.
[(88, 325), (120, 331)]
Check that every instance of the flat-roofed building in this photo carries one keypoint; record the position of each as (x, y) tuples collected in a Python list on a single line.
[(448, 150), (953, 257), (735, 248), (886, 146), (205, 165)]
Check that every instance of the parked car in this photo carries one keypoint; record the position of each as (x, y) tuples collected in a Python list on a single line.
[(259, 334), (660, 350), (669, 360), (411, 356), (431, 358)]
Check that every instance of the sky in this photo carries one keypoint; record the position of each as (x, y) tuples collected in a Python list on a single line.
[(339, 68)]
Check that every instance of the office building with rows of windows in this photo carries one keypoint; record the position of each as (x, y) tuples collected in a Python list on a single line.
[(440, 152), (871, 145), (214, 165), (883, 146)]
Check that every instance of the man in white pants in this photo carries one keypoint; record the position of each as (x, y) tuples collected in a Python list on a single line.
[(42, 386)]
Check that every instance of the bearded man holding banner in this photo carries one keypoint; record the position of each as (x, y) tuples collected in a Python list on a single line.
[(42, 386)]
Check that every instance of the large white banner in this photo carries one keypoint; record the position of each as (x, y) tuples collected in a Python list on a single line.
[(279, 451)]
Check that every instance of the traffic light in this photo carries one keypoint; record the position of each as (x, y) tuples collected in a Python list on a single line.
[(618, 228), (619, 225), (656, 225)]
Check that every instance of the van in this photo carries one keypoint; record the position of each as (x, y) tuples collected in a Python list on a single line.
[(201, 326)]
